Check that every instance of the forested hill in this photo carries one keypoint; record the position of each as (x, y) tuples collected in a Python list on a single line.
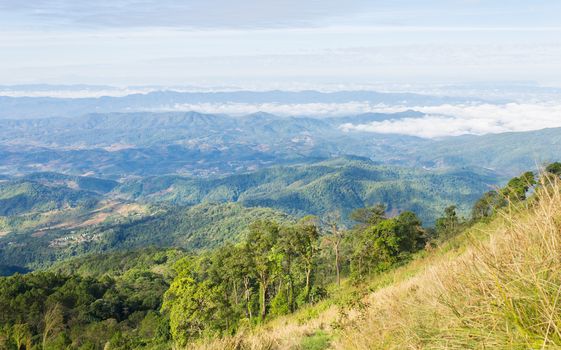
[(21, 196), (340, 184), (193, 228), (290, 283), (506, 153), (57, 218)]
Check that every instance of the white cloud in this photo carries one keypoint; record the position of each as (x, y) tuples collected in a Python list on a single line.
[(439, 121), (477, 119)]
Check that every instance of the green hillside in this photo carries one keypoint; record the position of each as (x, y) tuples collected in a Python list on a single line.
[(41, 201), (506, 153), (49, 216), (20, 196), (198, 227), (340, 184), (84, 183)]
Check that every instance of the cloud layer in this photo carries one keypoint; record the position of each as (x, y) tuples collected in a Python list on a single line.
[(439, 121), (476, 119)]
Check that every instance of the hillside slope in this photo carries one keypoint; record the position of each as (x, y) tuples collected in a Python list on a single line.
[(507, 153), (496, 286), (17, 197), (202, 226), (339, 184)]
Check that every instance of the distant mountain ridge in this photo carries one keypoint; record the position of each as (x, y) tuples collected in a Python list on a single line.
[(41, 107), (121, 145)]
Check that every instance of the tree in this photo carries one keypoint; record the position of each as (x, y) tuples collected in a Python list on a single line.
[(449, 224), (307, 246), (262, 237), (287, 243), (195, 307), (410, 232), (234, 265), (375, 248), (487, 205), (517, 188), (335, 238), (385, 244), (554, 168), (370, 215)]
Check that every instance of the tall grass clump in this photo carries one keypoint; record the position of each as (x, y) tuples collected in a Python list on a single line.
[(501, 293)]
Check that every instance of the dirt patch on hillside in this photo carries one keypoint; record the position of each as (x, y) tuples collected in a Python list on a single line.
[(38, 234), (96, 219), (127, 209)]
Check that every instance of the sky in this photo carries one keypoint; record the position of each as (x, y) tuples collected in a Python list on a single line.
[(279, 44)]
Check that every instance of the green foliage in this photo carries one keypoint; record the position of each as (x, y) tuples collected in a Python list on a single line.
[(40, 235), (374, 248), (194, 228), (281, 304), (6, 270), (195, 309), (515, 191), (62, 309), (261, 247), (448, 225), (274, 271), (487, 205), (318, 341), (517, 188), (554, 168), (121, 263), (270, 273), (370, 215)]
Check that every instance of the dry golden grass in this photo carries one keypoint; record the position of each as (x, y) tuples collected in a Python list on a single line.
[(497, 286), (501, 293)]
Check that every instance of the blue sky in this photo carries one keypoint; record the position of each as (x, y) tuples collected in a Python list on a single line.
[(279, 43)]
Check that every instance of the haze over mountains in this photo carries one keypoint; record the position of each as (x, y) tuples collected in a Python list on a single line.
[(142, 134), (41, 107)]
